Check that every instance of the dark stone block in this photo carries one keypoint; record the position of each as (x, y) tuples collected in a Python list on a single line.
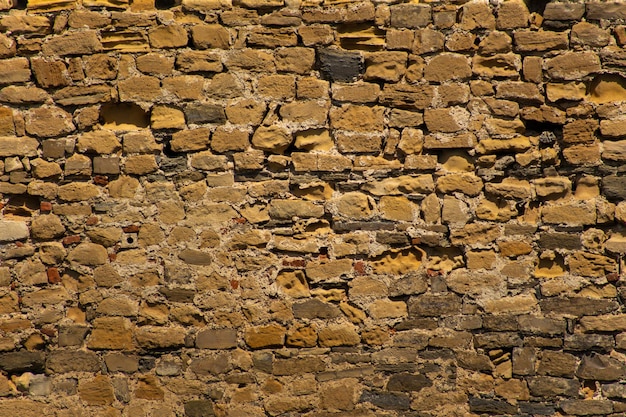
[(411, 16), (434, 305), (387, 401), (106, 165), (481, 405), (362, 226), (263, 361), (614, 188), (295, 366), (178, 295), (408, 382), (557, 364), (315, 309), (392, 238), (578, 306), (205, 113), (199, 408), (18, 362), (559, 241), (587, 407), (582, 342), (497, 340), (500, 323), (601, 368), (541, 409), (547, 386), (340, 66), (62, 361)]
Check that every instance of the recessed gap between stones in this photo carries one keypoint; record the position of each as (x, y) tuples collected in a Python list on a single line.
[(124, 116), (607, 88), (166, 4)]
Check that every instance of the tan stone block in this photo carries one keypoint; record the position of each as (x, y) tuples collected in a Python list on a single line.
[(171, 36), (153, 337), (280, 87), (517, 144), (272, 335), (509, 188), (428, 41), (407, 96), (140, 164), (287, 209), (385, 66), (356, 92), (573, 65), (140, 88), (140, 142), (194, 61), (18, 146), (338, 335), (98, 142), (305, 336), (533, 69), (190, 140), (447, 120), (570, 213), (251, 60), (357, 118), (113, 333), (520, 91), (540, 41), (574, 91), (14, 70), (246, 111), (184, 87), (485, 259), (580, 131), (77, 43), (512, 15), (411, 141), (354, 205), (552, 187), (513, 249), (316, 34), (106, 236), (464, 183), (297, 60), (397, 208), (498, 65), (165, 117), (207, 161), (475, 233), (97, 391), (312, 88), (309, 113), (351, 142), (48, 122), (404, 184), (583, 154), (613, 128), (446, 67), (226, 139), (78, 191), (77, 165), (274, 138), (449, 141), (123, 187), (314, 140), (387, 309), (293, 283), (210, 36), (22, 95)]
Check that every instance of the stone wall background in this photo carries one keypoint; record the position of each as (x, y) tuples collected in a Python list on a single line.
[(316, 208)]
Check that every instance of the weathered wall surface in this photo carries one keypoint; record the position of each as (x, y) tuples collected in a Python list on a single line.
[(319, 208)]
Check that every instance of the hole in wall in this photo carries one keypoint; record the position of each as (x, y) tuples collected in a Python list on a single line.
[(536, 6), (166, 4), (607, 88), (123, 116)]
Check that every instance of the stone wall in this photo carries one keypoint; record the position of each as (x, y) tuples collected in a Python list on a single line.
[(312, 208)]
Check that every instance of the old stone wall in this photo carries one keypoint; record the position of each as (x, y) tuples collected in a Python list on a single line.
[(312, 208)]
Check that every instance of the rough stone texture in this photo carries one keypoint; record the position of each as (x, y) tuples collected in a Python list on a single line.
[(317, 208)]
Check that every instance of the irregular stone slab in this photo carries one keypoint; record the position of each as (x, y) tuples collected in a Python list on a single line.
[(10, 231)]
